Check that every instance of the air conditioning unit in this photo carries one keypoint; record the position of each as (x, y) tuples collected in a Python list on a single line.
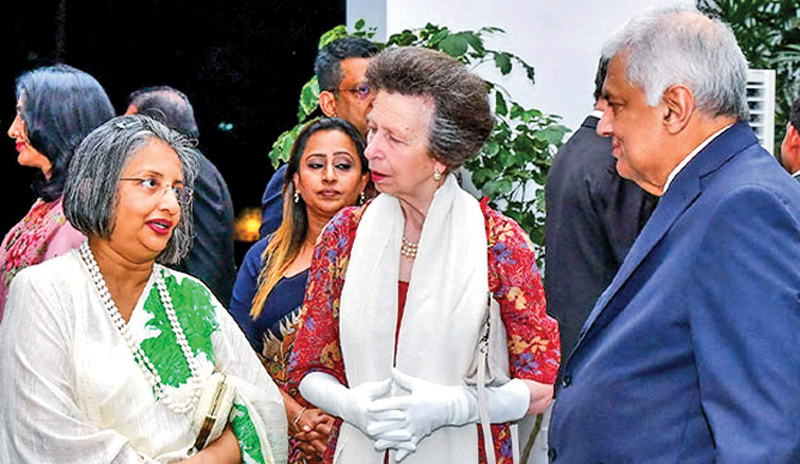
[(761, 100)]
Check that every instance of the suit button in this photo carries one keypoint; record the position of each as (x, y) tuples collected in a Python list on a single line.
[(566, 381), (551, 454)]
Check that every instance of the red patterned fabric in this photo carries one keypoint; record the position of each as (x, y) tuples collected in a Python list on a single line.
[(514, 279)]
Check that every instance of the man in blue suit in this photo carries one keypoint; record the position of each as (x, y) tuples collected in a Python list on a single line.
[(691, 353)]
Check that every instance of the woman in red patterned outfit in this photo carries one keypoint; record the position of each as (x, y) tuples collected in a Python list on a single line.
[(396, 292)]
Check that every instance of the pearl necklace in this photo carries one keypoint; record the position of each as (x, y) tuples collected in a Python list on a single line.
[(408, 249), (141, 358)]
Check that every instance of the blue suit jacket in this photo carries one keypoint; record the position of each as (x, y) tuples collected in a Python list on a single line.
[(692, 353)]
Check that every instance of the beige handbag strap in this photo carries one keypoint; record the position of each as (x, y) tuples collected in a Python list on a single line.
[(488, 439)]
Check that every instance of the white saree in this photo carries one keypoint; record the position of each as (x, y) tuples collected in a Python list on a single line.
[(72, 392)]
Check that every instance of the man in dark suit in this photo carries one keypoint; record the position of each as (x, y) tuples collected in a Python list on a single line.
[(690, 355), (211, 258), (790, 147), (593, 217)]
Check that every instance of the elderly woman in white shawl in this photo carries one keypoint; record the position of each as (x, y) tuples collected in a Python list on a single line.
[(397, 290), (107, 356)]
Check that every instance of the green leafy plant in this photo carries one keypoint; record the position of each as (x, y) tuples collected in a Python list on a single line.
[(768, 32), (512, 167)]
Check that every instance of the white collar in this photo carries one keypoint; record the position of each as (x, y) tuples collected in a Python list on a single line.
[(690, 157), (597, 114)]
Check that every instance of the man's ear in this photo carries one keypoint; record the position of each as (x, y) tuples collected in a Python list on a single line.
[(793, 137), (327, 103), (679, 103)]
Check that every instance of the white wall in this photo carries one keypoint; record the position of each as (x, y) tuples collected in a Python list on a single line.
[(561, 39)]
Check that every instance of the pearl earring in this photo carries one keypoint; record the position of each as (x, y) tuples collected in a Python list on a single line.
[(296, 196), (437, 176)]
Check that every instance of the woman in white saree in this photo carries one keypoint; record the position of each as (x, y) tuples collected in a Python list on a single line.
[(107, 354)]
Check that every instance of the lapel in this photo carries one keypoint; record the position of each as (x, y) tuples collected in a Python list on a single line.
[(686, 186)]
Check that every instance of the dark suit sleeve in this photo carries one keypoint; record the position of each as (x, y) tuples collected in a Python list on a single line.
[(745, 324), (272, 203)]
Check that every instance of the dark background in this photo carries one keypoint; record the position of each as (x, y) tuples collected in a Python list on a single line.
[(240, 62)]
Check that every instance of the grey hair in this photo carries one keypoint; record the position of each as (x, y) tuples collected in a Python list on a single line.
[(462, 118), (91, 192), (680, 45)]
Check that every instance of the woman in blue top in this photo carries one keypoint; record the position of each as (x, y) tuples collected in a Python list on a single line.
[(326, 172)]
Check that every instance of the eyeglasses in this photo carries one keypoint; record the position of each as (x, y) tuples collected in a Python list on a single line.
[(361, 91), (152, 186)]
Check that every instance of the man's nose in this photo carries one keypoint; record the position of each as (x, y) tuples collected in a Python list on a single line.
[(604, 127)]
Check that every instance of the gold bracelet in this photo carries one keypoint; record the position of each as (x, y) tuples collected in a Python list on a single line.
[(297, 419)]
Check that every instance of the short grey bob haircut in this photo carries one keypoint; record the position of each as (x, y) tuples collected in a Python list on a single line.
[(91, 192), (680, 45), (462, 118)]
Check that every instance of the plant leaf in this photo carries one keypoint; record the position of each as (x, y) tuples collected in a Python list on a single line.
[(500, 104), (503, 62), (475, 42), (454, 45), (336, 33), (309, 99)]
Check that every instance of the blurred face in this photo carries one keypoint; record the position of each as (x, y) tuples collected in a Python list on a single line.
[(398, 151), (147, 209), (329, 177), (27, 155), (352, 105), (636, 130)]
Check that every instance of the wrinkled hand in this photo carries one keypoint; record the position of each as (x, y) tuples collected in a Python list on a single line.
[(312, 432), (401, 422)]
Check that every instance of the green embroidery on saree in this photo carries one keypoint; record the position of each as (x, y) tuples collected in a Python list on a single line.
[(245, 432), (197, 318)]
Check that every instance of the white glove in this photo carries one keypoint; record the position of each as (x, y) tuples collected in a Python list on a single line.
[(403, 420), (324, 391)]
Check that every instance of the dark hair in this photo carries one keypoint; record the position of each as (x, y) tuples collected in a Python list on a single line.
[(462, 119), (168, 105), (90, 196), (286, 242), (327, 65), (600, 77), (794, 114), (60, 106)]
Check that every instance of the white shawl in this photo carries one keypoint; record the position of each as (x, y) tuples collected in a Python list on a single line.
[(442, 316)]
